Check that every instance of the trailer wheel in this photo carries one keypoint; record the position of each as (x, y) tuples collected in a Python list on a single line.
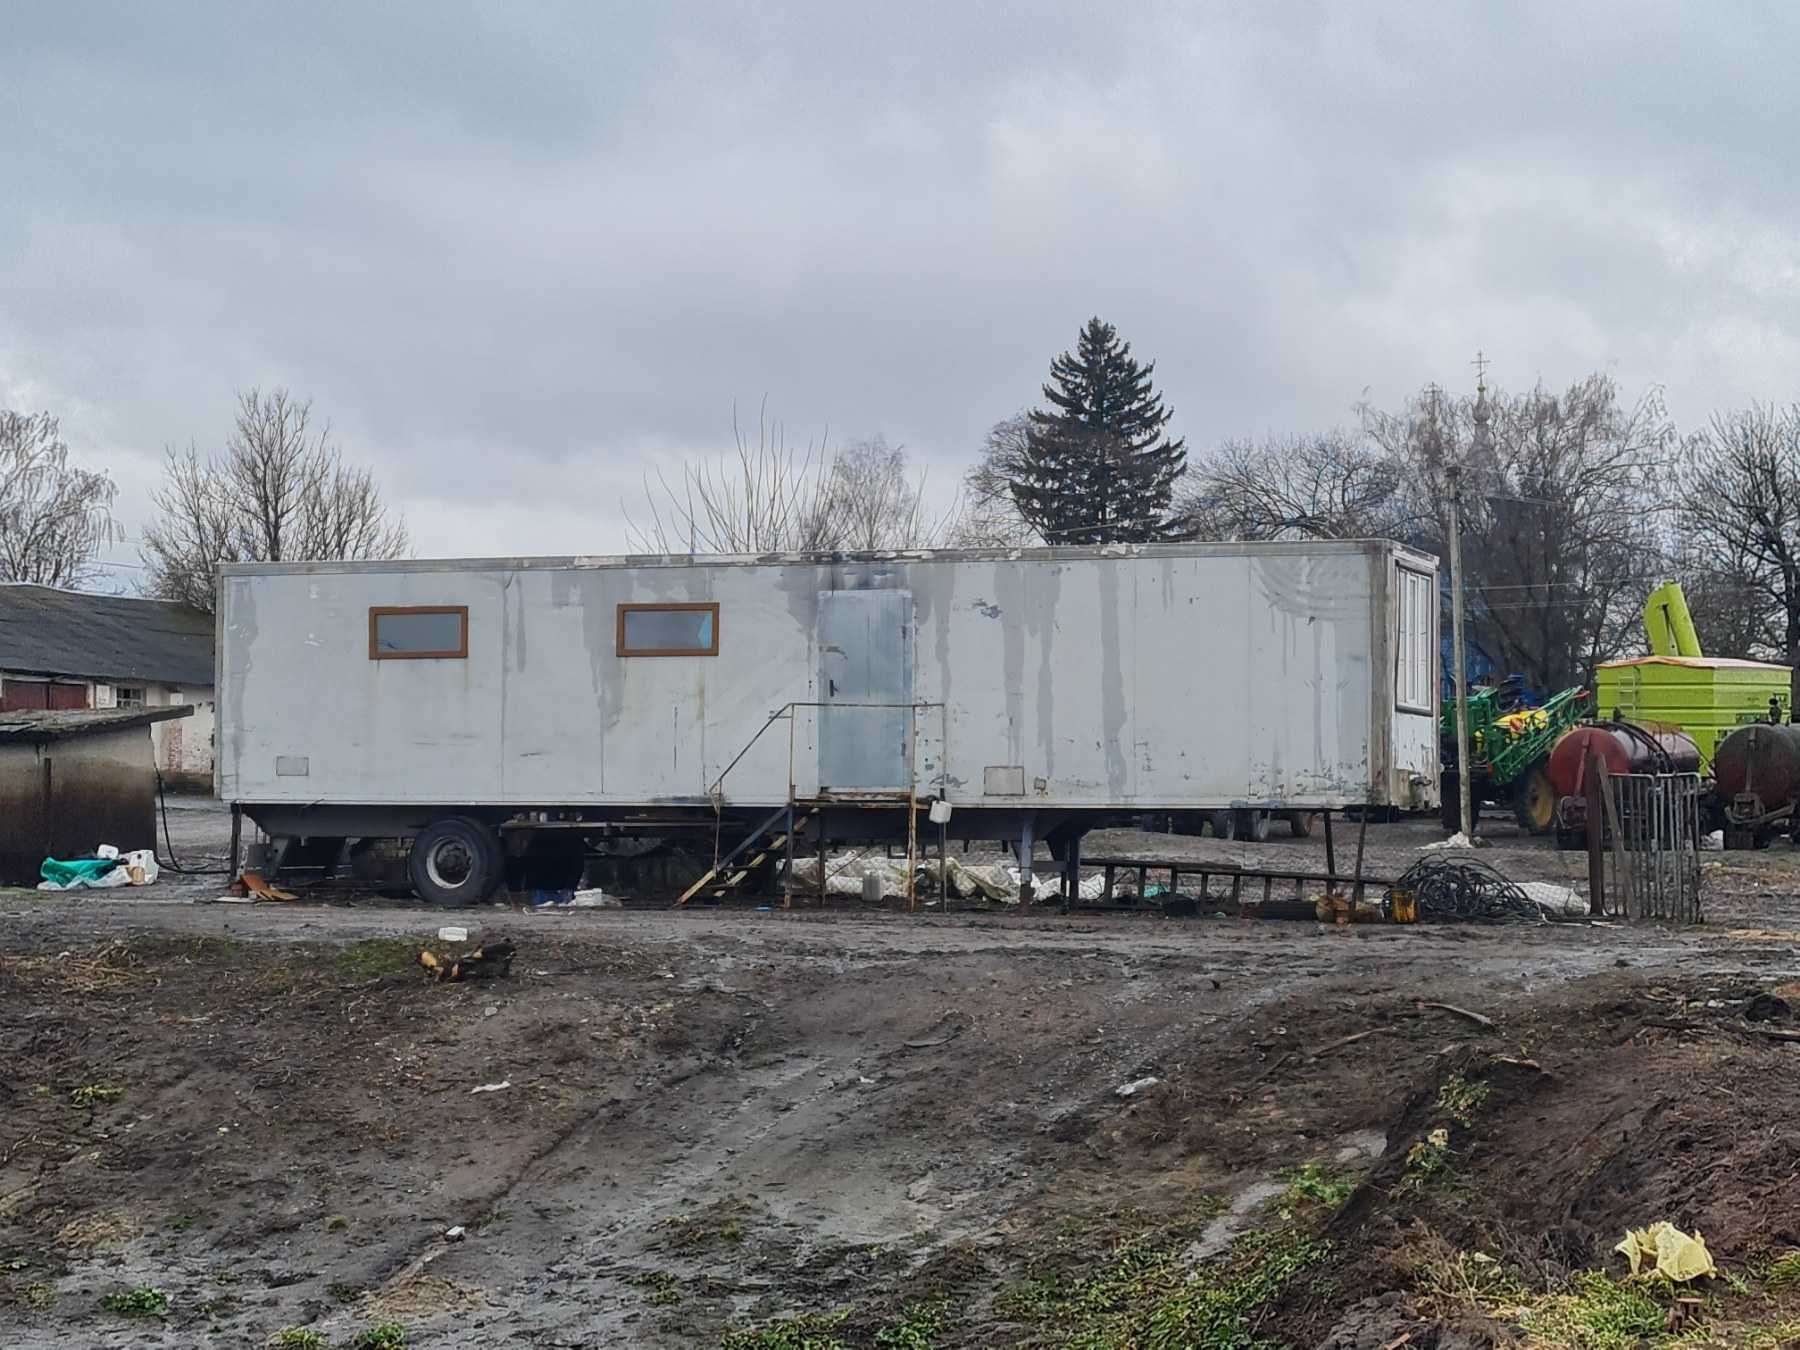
[(1253, 825), (455, 862), (1224, 824), (1302, 822)]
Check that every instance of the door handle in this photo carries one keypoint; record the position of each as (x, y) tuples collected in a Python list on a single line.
[(833, 685)]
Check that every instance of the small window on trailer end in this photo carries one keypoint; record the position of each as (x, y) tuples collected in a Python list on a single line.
[(418, 632), (690, 629), (1415, 654)]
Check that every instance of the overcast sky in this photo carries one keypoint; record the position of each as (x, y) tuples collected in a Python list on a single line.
[(519, 254)]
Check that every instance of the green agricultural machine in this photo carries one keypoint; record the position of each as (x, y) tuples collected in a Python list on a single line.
[(1509, 747)]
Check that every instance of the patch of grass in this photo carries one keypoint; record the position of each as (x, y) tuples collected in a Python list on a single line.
[(809, 1331), (180, 1223), (337, 1223), (1597, 1312), (917, 1329), (343, 1293), (1776, 1336), (374, 958), (1030, 1301), (661, 1289), (492, 1217), (1313, 1182), (1148, 1296), (381, 1336), (1461, 1098), (1783, 1272), (720, 1225), (1428, 1160), (299, 1338), (92, 1094), (206, 950), (142, 1301), (37, 1296), (1471, 1279)]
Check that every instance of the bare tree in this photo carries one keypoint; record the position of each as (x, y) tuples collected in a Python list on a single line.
[(1560, 521), (871, 502), (1330, 486), (989, 516), (53, 517), (769, 497), (764, 497), (1739, 489), (279, 492)]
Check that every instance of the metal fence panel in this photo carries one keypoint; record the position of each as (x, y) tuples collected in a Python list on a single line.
[(1653, 822)]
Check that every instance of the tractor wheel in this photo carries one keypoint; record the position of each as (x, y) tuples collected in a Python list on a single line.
[(1302, 822), (1534, 801), (1224, 824)]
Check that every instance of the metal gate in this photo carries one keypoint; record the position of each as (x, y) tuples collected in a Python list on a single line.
[(1653, 866), (865, 691)]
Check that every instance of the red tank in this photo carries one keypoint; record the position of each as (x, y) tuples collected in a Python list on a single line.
[(1624, 747), (1762, 760)]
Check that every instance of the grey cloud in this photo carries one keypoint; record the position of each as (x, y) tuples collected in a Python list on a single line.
[(520, 254)]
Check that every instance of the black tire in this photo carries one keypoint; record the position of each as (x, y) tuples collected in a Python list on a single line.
[(454, 862), (1224, 824), (1534, 801), (1302, 823), (1253, 826)]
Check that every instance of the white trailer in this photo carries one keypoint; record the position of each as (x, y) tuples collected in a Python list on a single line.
[(1031, 693)]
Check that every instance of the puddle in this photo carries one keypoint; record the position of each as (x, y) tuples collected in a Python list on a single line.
[(1224, 1230), (1359, 1145)]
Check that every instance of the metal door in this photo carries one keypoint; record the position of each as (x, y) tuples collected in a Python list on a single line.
[(865, 685)]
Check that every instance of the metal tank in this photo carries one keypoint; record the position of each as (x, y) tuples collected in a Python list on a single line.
[(1757, 774), (1624, 748)]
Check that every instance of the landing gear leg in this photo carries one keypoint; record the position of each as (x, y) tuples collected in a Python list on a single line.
[(1026, 845)]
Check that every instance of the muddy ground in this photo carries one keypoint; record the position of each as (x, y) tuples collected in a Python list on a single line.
[(872, 1129)]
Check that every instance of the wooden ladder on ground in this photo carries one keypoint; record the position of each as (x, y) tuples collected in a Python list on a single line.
[(757, 851)]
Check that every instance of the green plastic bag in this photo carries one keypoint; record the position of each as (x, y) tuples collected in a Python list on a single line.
[(83, 871)]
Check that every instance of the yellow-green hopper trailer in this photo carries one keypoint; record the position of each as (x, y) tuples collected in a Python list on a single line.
[(1709, 697)]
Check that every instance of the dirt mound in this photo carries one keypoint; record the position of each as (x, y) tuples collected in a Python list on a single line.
[(1676, 1107)]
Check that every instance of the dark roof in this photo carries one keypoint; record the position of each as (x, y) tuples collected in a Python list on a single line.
[(50, 726), (45, 631)]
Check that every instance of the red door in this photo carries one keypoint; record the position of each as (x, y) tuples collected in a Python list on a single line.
[(64, 697), (37, 695)]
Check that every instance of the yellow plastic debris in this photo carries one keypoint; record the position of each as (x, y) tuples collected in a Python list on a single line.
[(1670, 1251)]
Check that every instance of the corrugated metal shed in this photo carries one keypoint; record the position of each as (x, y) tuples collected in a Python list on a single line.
[(39, 726), (46, 631)]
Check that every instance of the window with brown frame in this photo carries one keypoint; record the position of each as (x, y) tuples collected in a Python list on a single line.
[(669, 630), (418, 632)]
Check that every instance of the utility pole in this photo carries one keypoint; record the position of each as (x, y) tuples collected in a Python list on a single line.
[(1456, 638), (1482, 415)]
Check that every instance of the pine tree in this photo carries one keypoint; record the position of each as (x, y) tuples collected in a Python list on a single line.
[(1097, 467)]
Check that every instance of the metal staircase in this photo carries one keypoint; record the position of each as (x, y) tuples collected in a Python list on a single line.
[(769, 838), (773, 837)]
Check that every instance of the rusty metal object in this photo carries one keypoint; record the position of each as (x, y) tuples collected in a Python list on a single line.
[(1623, 747), (1757, 772)]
